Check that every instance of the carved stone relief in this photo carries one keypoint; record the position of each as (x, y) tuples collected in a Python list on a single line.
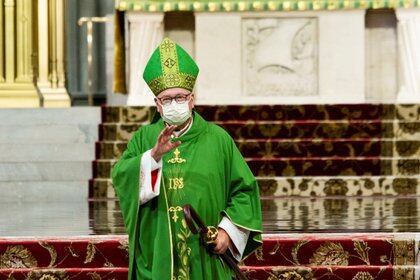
[(280, 56)]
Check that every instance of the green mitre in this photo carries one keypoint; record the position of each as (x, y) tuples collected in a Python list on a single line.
[(170, 66)]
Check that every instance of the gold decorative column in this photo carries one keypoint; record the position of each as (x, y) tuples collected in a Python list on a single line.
[(17, 88), (9, 24), (51, 78), (60, 43), (1, 44), (43, 69)]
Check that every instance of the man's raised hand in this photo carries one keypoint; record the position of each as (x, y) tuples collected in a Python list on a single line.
[(164, 143)]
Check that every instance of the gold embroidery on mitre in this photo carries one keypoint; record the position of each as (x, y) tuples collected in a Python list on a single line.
[(171, 76), (177, 158), (181, 80), (176, 183), (174, 210), (168, 57)]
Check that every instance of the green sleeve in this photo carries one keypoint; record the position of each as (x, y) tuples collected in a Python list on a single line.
[(125, 178), (244, 206)]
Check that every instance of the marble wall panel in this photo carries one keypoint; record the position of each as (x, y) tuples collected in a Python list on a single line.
[(280, 56)]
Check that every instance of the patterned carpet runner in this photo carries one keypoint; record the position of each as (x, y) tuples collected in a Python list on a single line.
[(297, 256), (290, 148)]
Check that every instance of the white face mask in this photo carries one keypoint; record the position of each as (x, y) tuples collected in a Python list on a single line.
[(176, 114)]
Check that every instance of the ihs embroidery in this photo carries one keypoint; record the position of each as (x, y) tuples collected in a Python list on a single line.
[(176, 183)]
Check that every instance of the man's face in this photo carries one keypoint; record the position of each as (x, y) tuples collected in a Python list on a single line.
[(172, 93)]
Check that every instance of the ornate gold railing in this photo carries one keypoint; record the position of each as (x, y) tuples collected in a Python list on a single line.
[(261, 5)]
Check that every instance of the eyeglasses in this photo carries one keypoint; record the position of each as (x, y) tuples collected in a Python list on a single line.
[(178, 99)]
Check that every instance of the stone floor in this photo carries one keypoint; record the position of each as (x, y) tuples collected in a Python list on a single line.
[(280, 215)]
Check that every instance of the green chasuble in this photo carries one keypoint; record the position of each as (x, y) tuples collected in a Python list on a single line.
[(206, 171)]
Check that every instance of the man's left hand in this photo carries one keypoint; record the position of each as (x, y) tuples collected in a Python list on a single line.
[(222, 242)]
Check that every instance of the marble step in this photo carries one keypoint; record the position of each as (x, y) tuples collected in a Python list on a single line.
[(299, 148), (306, 130), (45, 171), (357, 214), (341, 214), (44, 191), (276, 112), (50, 116), (308, 186), (280, 215), (44, 218), (47, 152), (48, 133), (310, 167)]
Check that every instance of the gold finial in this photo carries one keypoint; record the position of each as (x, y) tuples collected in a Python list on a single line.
[(177, 158), (211, 235), (175, 216)]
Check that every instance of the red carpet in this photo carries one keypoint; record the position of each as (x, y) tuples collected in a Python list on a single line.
[(294, 256)]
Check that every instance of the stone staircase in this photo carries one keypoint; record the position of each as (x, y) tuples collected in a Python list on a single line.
[(302, 150), (328, 175), (320, 168), (46, 158)]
